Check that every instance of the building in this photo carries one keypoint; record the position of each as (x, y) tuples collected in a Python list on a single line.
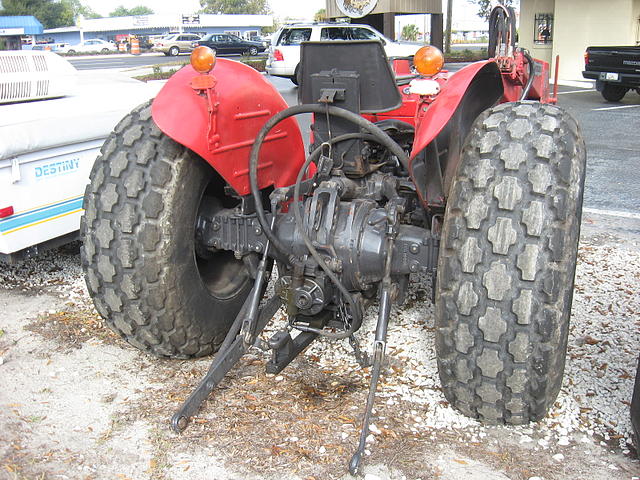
[(13, 28), (158, 24), (380, 14), (565, 28)]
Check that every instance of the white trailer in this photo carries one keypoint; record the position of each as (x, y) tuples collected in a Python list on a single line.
[(48, 146)]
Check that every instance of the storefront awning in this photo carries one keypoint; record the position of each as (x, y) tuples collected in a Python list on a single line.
[(20, 25)]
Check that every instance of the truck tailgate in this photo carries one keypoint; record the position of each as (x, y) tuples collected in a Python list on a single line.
[(613, 59)]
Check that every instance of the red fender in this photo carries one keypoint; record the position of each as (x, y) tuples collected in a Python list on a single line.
[(431, 122), (449, 118), (242, 100)]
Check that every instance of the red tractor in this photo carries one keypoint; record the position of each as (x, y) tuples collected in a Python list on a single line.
[(475, 178)]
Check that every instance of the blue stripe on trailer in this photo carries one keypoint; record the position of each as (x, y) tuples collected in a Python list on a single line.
[(17, 221)]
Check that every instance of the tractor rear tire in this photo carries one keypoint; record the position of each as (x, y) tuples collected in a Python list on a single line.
[(143, 269), (613, 93), (507, 263)]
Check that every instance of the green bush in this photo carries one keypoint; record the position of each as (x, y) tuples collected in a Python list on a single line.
[(256, 62)]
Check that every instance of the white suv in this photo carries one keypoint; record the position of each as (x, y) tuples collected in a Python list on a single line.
[(284, 52)]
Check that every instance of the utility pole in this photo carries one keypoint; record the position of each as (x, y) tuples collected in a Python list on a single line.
[(447, 37)]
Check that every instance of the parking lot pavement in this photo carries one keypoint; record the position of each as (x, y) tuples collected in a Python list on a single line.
[(613, 149)]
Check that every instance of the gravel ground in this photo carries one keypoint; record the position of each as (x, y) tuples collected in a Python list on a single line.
[(77, 402)]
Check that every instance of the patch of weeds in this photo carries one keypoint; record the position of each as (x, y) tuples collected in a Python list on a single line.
[(258, 63), (157, 74), (34, 418), (72, 328)]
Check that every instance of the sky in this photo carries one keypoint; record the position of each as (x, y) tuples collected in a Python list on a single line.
[(281, 8), (464, 13)]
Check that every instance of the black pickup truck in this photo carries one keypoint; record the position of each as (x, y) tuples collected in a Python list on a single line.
[(616, 70)]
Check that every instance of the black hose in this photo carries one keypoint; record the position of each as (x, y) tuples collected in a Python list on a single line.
[(297, 213), (379, 135), (496, 27), (501, 25), (384, 139), (532, 74)]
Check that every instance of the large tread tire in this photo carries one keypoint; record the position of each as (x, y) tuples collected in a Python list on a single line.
[(507, 263), (613, 93), (138, 253)]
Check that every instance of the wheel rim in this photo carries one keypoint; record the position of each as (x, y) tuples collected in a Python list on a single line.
[(253, 51), (222, 274), (174, 51)]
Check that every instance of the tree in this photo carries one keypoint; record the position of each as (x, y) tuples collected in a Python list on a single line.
[(485, 6), (320, 15), (251, 7), (50, 13), (410, 33), (122, 11), (81, 10), (447, 33)]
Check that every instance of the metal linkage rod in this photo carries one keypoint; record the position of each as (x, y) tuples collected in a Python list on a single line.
[(230, 352), (380, 342)]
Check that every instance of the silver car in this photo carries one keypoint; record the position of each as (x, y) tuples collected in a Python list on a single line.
[(175, 43)]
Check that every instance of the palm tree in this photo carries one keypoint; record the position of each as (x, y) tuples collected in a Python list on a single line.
[(447, 35)]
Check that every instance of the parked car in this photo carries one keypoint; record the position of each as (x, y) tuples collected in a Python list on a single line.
[(616, 70), (266, 41), (222, 43), (284, 53), (51, 47), (175, 44), (88, 46)]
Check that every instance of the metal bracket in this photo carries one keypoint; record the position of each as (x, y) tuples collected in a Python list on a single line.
[(330, 95), (285, 349)]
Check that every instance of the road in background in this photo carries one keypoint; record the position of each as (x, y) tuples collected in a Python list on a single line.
[(96, 62), (121, 61)]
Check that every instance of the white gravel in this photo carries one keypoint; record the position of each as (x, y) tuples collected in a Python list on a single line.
[(604, 343)]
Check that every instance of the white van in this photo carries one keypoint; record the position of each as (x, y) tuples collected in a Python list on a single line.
[(284, 53)]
